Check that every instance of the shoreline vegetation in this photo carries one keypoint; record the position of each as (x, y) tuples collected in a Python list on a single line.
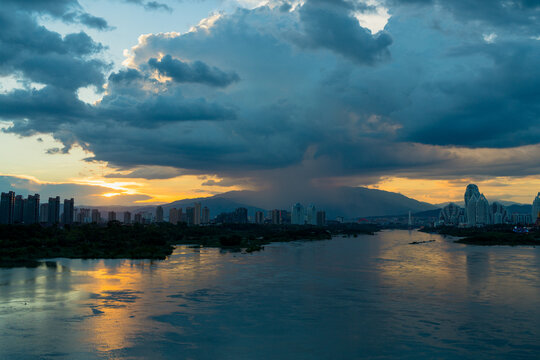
[(22, 245), (500, 235)]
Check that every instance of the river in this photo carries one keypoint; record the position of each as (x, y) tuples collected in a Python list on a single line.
[(370, 297)]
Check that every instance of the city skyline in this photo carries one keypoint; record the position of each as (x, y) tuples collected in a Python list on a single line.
[(224, 124)]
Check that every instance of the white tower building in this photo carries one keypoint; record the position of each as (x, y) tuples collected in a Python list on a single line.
[(536, 208), (483, 213), (470, 207)]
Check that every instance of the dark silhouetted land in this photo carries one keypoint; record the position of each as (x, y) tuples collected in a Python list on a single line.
[(25, 245), (490, 235)]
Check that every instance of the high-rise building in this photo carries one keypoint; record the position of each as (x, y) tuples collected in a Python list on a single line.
[(127, 217), (190, 215), (159, 214), (259, 217), (241, 216), (535, 213), (181, 216), (54, 210), (311, 215), (521, 219), (471, 209), (44, 213), (321, 218), (499, 215), (483, 212), (18, 210), (477, 210), (7, 207), (111, 216), (276, 217), (69, 208), (84, 216), (96, 216), (205, 215), (450, 214), (173, 216), (238, 216), (472, 190), (138, 218), (197, 214), (297, 214), (31, 209), (285, 217)]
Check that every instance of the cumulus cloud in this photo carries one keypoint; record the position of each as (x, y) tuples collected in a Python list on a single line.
[(150, 5), (331, 24), (196, 72)]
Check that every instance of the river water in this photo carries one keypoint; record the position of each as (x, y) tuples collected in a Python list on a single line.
[(346, 298)]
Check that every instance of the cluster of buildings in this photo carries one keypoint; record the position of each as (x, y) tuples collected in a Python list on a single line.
[(194, 215), (15, 209), (479, 212), (201, 216), (307, 216)]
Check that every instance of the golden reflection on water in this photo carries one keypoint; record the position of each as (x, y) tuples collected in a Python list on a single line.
[(426, 267), (121, 295), (464, 270)]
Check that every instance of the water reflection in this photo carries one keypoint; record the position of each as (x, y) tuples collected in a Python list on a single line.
[(477, 268), (330, 299)]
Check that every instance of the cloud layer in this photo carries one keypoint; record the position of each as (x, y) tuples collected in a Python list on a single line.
[(302, 90)]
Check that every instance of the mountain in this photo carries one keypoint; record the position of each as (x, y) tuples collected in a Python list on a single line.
[(519, 209), (216, 204), (349, 202)]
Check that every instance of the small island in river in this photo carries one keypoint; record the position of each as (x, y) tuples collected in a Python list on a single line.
[(22, 245), (490, 235)]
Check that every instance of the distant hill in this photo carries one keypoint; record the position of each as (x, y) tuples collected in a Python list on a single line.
[(349, 202), (519, 209), (216, 204)]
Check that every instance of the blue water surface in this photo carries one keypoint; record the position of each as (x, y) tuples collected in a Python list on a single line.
[(370, 297)]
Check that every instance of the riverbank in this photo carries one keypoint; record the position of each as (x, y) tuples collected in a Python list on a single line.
[(499, 235), (25, 245)]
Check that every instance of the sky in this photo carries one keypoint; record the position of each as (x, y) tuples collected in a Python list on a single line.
[(125, 102)]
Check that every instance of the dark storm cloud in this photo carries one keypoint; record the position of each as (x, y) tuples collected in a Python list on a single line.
[(42, 111), (44, 56), (157, 109), (320, 96), (331, 25), (499, 109), (196, 72), (518, 15)]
